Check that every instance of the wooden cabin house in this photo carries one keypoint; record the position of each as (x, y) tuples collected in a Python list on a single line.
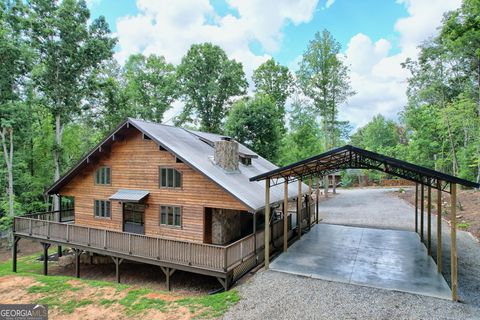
[(164, 195)]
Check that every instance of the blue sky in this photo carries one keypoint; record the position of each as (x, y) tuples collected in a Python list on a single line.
[(375, 35)]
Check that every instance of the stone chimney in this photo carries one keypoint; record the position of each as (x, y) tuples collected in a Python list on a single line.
[(226, 154)]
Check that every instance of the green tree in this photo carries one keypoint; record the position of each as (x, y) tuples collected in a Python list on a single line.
[(304, 139), (323, 77), (150, 86), (254, 122), (275, 80), (208, 80), (69, 48), (379, 135)]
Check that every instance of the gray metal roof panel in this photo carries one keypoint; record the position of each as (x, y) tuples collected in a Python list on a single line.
[(129, 195)]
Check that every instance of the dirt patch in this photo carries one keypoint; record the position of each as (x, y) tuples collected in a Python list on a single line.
[(468, 207), (163, 296), (25, 248), (13, 289)]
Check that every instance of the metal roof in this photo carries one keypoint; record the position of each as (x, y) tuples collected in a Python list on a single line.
[(350, 157), (129, 195), (195, 149)]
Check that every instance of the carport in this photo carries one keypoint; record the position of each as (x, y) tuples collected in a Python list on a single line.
[(415, 257)]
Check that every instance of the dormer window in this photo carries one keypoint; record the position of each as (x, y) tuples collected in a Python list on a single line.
[(246, 161), (102, 176)]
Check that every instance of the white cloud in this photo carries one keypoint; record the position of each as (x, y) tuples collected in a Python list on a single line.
[(376, 75)]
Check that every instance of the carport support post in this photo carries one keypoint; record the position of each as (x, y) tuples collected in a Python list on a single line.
[(453, 236), (310, 181), (439, 227), (285, 215), (318, 194), (299, 209), (422, 204), (267, 223), (429, 221), (416, 207)]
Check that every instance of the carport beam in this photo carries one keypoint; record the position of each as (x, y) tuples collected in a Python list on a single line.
[(267, 223), (439, 227), (299, 209), (316, 200), (429, 221), (453, 236), (285, 216)]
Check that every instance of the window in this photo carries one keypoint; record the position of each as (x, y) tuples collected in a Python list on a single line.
[(102, 175), (246, 161), (102, 209), (171, 216), (170, 178)]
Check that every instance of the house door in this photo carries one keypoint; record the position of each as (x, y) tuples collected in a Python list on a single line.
[(134, 218)]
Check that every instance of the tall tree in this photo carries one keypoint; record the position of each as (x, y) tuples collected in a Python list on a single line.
[(15, 58), (275, 80), (323, 77), (379, 135), (208, 80), (254, 122), (69, 48), (150, 86)]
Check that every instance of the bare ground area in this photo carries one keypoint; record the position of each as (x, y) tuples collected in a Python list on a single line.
[(468, 207)]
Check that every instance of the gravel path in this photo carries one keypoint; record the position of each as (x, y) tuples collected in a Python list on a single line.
[(275, 295)]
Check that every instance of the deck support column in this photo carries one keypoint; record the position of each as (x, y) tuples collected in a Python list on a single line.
[(453, 236), (422, 204), (299, 209), (439, 227), (429, 220), (45, 257), (285, 215), (317, 192), (225, 282), (168, 273), (118, 262), (416, 208), (267, 223), (78, 252), (14, 253)]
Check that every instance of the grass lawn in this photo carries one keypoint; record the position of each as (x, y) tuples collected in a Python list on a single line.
[(69, 297)]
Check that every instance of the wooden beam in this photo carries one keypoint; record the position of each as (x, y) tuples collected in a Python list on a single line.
[(285, 216), (168, 273), (45, 257), (422, 204), (118, 262), (318, 196), (453, 239), (439, 227), (416, 207), (267, 223), (299, 209), (429, 221), (78, 252)]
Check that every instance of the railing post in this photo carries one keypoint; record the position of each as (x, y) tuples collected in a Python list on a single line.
[(88, 240), (48, 230), (30, 227), (241, 250), (225, 259), (129, 243), (105, 239), (68, 234), (158, 249), (189, 253)]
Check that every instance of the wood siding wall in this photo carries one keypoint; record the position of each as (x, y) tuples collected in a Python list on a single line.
[(134, 164)]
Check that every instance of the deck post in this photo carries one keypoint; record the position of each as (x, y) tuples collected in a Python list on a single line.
[(168, 273), (317, 192), (117, 262), (78, 252), (453, 236), (45, 257), (439, 227), (285, 215), (14, 253), (429, 220), (416, 207), (59, 251), (267, 223), (299, 209), (422, 204)]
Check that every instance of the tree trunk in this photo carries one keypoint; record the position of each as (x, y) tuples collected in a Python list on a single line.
[(8, 156), (454, 152), (57, 157)]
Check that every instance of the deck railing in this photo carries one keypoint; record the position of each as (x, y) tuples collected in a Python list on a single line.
[(65, 215), (193, 254)]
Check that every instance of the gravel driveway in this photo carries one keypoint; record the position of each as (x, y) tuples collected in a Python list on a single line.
[(275, 295)]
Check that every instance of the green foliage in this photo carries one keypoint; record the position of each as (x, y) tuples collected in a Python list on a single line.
[(212, 306), (379, 135), (255, 123), (324, 78), (275, 80), (208, 80)]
